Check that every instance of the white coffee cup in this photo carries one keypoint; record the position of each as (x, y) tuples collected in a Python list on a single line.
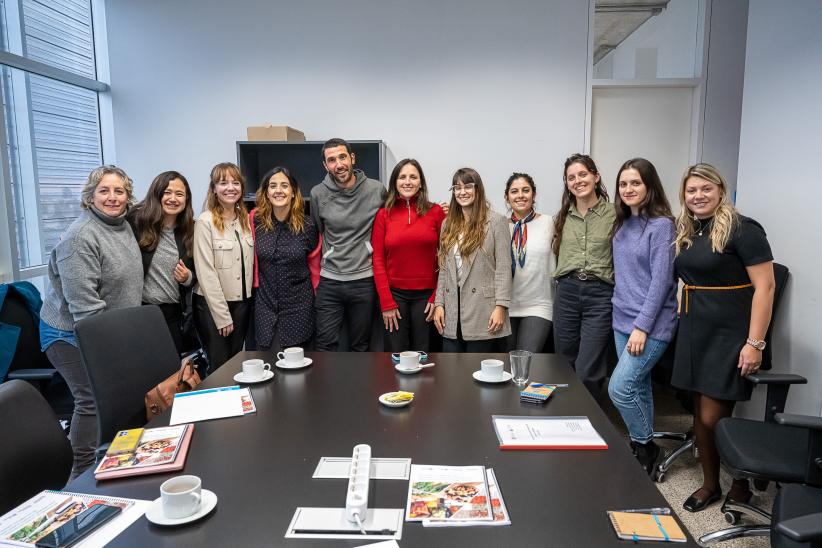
[(181, 496), (254, 370), (292, 356), (492, 369), (409, 359)]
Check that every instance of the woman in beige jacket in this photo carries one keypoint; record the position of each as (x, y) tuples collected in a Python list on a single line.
[(224, 261), (474, 285)]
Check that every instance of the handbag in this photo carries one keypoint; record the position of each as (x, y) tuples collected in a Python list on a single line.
[(160, 398)]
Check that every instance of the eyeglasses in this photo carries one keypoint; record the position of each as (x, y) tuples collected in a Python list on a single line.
[(467, 186)]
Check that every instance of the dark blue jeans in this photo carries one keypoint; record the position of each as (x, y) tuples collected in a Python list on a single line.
[(353, 301)]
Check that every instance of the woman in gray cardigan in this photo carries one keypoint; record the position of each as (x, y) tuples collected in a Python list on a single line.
[(474, 285), (95, 267)]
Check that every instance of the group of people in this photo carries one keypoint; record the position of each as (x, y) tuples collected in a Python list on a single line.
[(594, 272)]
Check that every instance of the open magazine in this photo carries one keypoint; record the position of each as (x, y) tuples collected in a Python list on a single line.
[(501, 516), (45, 512), (156, 446), (458, 493)]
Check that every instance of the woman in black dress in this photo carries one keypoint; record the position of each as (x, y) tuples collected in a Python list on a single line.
[(726, 265), (284, 237)]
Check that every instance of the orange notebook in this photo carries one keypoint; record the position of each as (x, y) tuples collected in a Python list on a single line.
[(638, 526), (161, 449)]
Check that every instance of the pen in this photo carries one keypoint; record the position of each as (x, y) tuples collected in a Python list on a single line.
[(658, 511), (538, 384)]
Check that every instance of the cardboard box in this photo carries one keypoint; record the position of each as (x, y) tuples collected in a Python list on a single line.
[(274, 133)]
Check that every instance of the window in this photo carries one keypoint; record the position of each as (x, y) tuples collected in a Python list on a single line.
[(51, 121)]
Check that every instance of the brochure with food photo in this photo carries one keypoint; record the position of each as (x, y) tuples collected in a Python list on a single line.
[(157, 446), (457, 493), (497, 504)]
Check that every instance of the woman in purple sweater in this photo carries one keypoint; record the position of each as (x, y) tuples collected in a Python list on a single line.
[(644, 301)]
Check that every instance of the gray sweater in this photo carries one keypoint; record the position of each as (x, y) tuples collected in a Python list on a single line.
[(96, 266), (345, 218)]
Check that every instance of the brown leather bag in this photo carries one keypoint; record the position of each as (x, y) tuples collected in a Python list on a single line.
[(160, 398)]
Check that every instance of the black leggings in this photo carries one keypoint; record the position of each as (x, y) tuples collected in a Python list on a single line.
[(220, 349), (414, 332)]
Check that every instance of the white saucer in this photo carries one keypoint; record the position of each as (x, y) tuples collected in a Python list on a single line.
[(283, 365), (387, 403), (408, 371), (268, 375), (155, 515), (506, 376)]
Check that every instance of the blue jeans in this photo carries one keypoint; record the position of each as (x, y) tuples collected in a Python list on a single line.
[(630, 386)]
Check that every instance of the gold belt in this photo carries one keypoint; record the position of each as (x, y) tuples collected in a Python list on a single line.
[(687, 288)]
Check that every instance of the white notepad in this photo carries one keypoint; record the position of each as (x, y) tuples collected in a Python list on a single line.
[(203, 405)]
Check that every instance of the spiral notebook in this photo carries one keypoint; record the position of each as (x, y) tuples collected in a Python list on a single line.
[(639, 526)]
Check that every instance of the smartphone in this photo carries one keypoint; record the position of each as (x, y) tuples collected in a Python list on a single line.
[(79, 526)]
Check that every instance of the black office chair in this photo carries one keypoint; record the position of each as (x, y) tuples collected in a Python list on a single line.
[(126, 353), (783, 448), (797, 518), (36, 453), (664, 369)]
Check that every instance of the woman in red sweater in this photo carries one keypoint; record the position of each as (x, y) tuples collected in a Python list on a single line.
[(405, 239)]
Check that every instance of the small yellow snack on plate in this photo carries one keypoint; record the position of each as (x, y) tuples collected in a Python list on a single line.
[(396, 399)]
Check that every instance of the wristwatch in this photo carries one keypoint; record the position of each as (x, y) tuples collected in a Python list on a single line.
[(759, 345)]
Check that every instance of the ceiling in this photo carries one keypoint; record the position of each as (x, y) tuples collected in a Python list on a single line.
[(615, 20)]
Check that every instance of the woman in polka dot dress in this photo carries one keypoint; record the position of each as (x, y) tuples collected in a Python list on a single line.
[(284, 238)]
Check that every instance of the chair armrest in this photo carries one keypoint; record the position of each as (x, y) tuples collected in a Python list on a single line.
[(33, 374), (802, 421), (802, 529), (776, 378)]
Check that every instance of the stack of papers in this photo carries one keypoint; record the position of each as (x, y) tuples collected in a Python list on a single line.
[(214, 403), (557, 433)]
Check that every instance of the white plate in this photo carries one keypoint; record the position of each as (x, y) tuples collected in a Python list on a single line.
[(268, 375), (387, 403), (283, 365), (155, 515), (506, 376), (408, 371)]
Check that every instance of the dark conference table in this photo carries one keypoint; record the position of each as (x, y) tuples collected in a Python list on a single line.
[(260, 465)]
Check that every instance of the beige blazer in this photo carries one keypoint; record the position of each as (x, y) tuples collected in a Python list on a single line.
[(487, 283), (217, 263)]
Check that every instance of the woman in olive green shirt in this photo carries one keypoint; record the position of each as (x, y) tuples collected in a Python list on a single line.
[(585, 271)]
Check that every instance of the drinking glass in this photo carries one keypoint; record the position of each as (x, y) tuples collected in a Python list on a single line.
[(520, 366)]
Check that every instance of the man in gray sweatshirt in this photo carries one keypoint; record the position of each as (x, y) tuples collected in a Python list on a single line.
[(343, 207)]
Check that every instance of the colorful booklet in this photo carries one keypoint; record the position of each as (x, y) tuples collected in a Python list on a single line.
[(497, 506), (45, 512), (458, 493), (159, 450), (644, 526), (537, 392), (554, 433)]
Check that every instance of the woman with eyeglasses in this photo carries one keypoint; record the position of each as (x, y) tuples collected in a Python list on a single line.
[(474, 284), (163, 224), (644, 302), (585, 271), (224, 259), (284, 237), (405, 238), (90, 270), (532, 265), (725, 263)]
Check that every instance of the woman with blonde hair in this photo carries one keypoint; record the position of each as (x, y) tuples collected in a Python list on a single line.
[(284, 237), (90, 270), (474, 284), (725, 263), (224, 260)]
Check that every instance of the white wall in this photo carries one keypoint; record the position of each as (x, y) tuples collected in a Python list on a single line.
[(499, 86), (779, 178), (672, 34)]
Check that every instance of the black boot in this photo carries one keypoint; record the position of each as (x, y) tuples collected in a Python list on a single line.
[(648, 454)]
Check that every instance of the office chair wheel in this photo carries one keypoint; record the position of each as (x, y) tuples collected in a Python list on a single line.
[(659, 477), (760, 485), (732, 516)]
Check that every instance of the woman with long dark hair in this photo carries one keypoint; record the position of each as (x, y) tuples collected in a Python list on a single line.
[(585, 272), (405, 238), (644, 301), (224, 258), (284, 237), (532, 263), (474, 284), (725, 263), (163, 224)]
